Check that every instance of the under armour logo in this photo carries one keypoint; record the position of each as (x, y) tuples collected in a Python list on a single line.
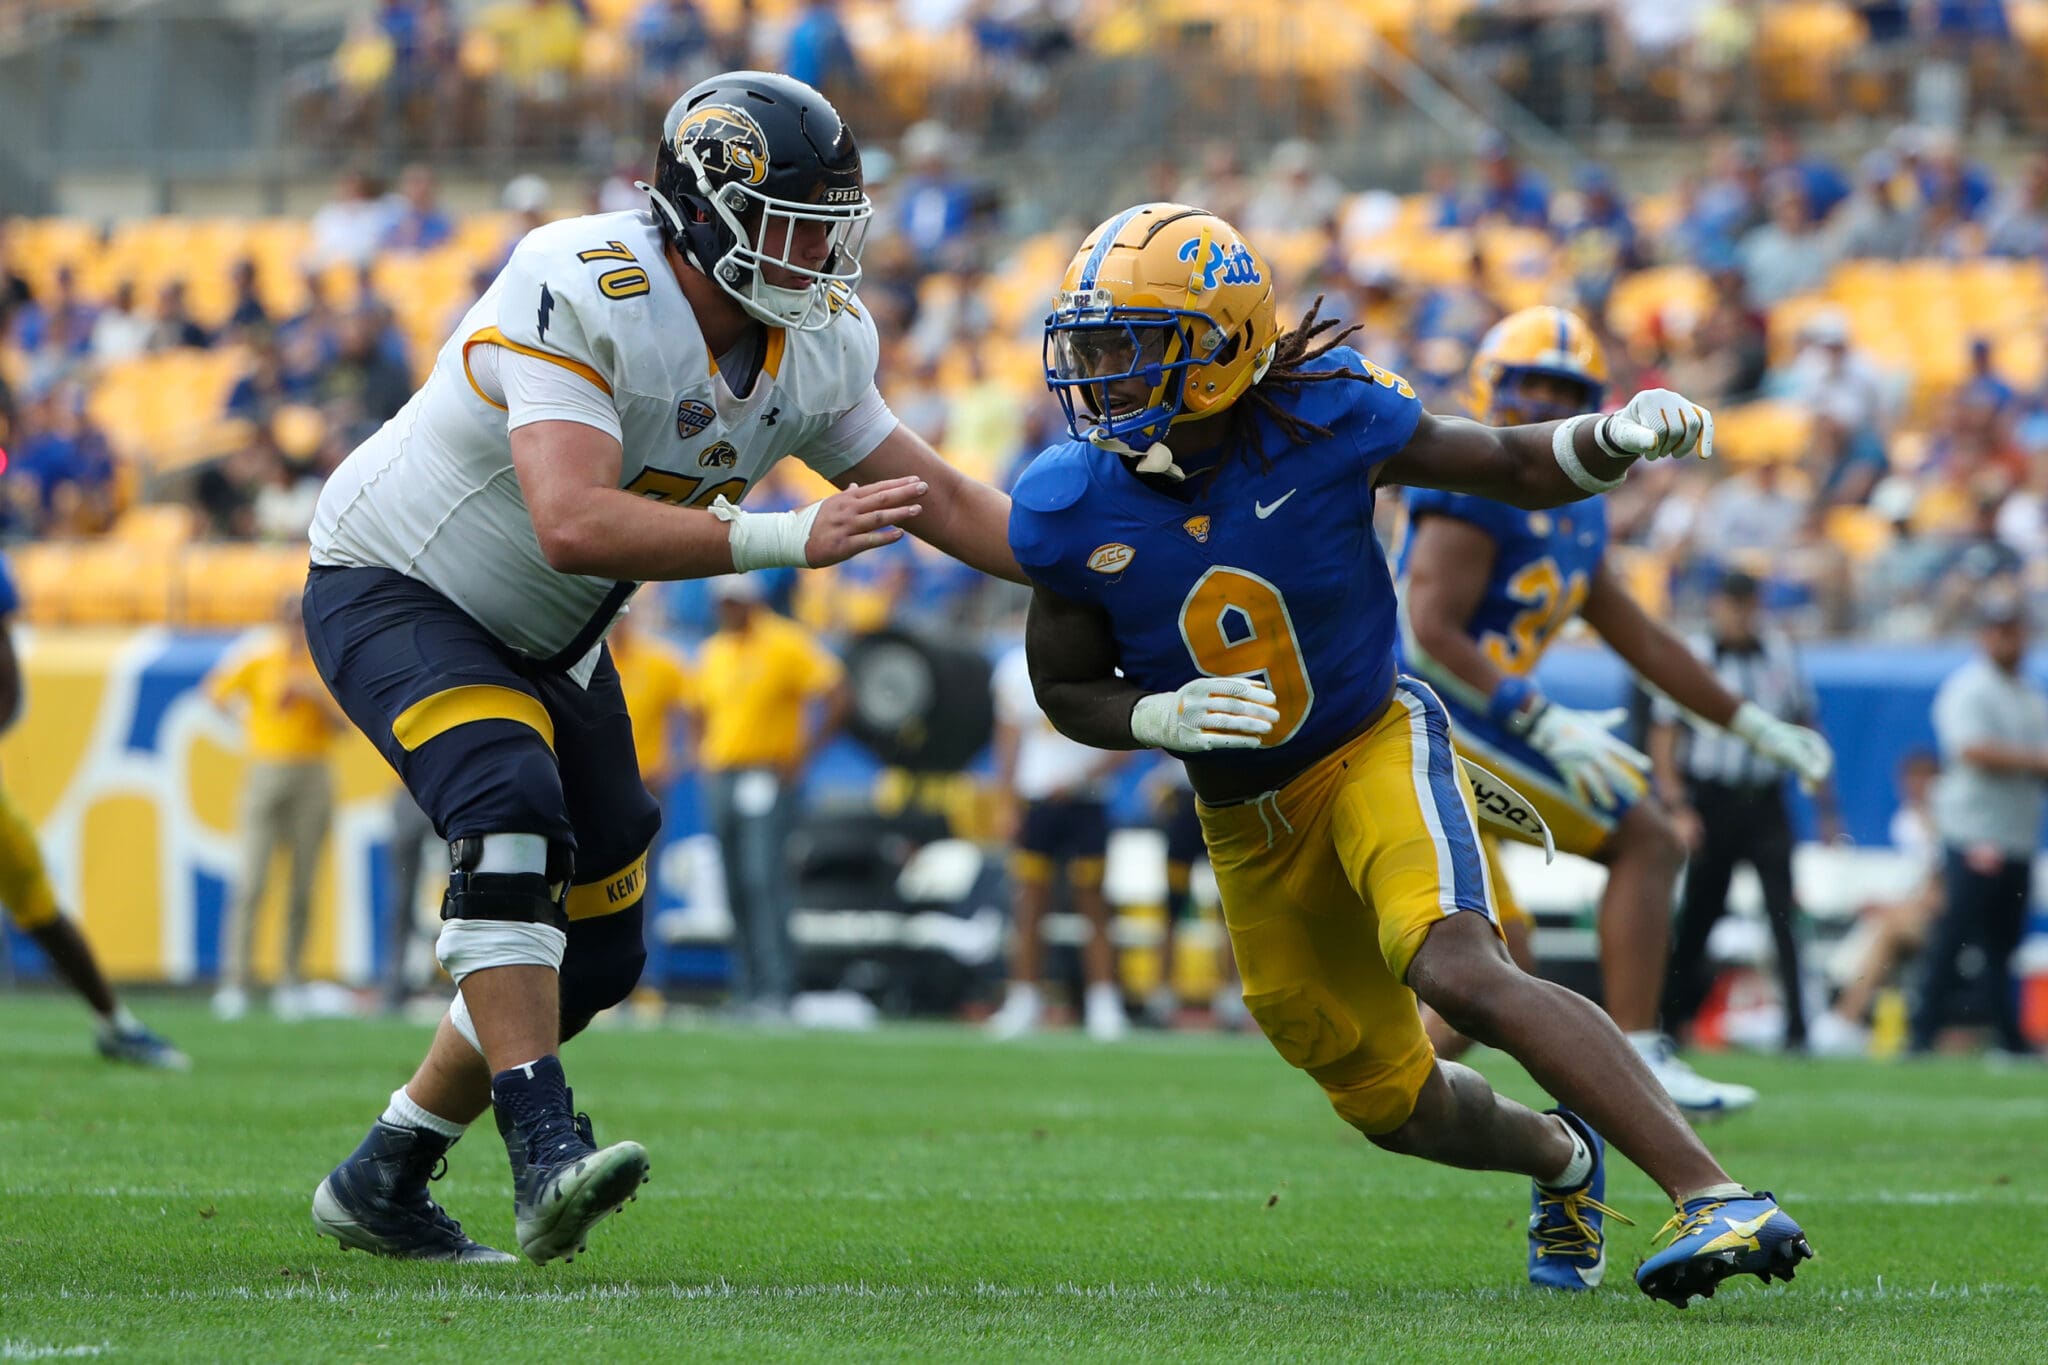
[(547, 306), (768, 417)]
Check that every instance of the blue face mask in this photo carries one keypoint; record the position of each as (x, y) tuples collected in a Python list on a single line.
[(1087, 351)]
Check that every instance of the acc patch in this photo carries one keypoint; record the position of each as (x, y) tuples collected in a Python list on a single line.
[(718, 455), (692, 416), (1198, 527), (1112, 558)]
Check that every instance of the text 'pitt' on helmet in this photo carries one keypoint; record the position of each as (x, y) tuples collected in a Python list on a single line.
[(758, 183), (1165, 315)]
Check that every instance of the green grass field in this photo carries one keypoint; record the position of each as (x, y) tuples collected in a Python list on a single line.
[(922, 1194)]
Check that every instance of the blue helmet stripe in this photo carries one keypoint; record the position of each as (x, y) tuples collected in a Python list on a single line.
[(1104, 243), (1563, 341)]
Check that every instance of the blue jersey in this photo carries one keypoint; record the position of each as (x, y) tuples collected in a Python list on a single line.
[(1276, 574), (1543, 566)]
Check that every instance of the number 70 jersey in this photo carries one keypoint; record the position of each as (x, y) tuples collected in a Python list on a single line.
[(1273, 573), (433, 494)]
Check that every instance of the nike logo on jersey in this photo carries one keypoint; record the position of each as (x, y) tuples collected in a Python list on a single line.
[(1267, 509), (547, 306)]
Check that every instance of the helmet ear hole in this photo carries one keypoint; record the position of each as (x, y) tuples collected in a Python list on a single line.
[(1229, 351)]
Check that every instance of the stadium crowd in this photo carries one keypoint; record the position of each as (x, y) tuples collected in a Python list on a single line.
[(1872, 337)]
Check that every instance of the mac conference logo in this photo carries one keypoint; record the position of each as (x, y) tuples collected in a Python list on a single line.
[(692, 416)]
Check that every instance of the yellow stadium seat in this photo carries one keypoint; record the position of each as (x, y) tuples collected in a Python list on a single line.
[(1858, 531), (95, 583), (1767, 432), (155, 525), (236, 585)]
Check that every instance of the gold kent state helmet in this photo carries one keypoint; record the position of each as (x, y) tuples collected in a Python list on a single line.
[(1548, 342), (1166, 294)]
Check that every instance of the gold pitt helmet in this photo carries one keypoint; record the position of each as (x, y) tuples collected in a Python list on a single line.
[(1169, 294), (1536, 341)]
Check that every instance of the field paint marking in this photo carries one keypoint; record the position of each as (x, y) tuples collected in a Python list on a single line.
[(12, 1348)]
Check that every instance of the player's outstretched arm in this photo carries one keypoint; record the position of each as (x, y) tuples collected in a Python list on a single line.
[(1664, 661), (1550, 463), (1650, 647), (587, 524), (963, 517), (1449, 564)]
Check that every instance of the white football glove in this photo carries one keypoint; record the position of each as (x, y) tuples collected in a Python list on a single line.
[(1806, 752), (1206, 714), (1599, 768), (1657, 423)]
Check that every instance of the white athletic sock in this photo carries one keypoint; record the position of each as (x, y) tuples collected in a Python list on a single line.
[(119, 1022), (1646, 1041), (405, 1112), (1730, 1191), (1578, 1168)]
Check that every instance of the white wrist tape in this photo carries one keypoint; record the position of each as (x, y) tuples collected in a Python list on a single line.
[(1567, 456), (1749, 722), (767, 540)]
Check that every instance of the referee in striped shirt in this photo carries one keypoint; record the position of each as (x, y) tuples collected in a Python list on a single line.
[(1728, 801)]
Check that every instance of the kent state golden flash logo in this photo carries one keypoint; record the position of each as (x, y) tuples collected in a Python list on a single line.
[(727, 141)]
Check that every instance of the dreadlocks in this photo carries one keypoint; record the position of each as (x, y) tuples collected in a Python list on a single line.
[(1297, 347)]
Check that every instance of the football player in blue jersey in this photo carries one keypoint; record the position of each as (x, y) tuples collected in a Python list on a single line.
[(1485, 588), (30, 901), (1207, 581)]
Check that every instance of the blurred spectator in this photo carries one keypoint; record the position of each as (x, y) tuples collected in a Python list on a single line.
[(1893, 931), (1850, 403), (349, 229), (287, 799), (121, 331), (246, 309), (539, 44), (1725, 357), (364, 379), (1982, 386), (1599, 240), (1786, 160), (1946, 177), (1751, 511), (66, 459), (759, 678), (14, 291), (1296, 193), (934, 204), (659, 687), (61, 323), (526, 198), (1058, 822), (1787, 255), (674, 44), (1732, 203), (419, 224), (1992, 723), (174, 327), (1463, 310), (1881, 218), (1218, 184), (2019, 220), (817, 51), (1506, 192), (224, 491)]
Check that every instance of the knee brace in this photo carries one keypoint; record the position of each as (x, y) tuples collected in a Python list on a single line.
[(503, 919)]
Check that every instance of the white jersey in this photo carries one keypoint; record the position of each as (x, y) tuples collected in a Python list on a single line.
[(1047, 761), (586, 323)]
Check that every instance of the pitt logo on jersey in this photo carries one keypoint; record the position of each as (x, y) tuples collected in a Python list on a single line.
[(1234, 264), (692, 416), (1112, 558), (718, 455), (727, 140), (1198, 527)]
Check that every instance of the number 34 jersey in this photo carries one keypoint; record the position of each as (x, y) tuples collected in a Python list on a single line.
[(1270, 573), (433, 494)]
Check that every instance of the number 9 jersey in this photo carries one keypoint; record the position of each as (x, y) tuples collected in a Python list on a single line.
[(1269, 571)]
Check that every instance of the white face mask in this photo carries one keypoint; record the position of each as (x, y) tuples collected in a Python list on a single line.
[(824, 290)]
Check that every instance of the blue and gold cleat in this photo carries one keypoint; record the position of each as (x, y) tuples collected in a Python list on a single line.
[(1712, 1239), (140, 1047), (563, 1183), (1567, 1247)]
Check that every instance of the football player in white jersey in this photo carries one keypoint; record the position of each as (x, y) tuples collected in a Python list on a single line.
[(597, 420)]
